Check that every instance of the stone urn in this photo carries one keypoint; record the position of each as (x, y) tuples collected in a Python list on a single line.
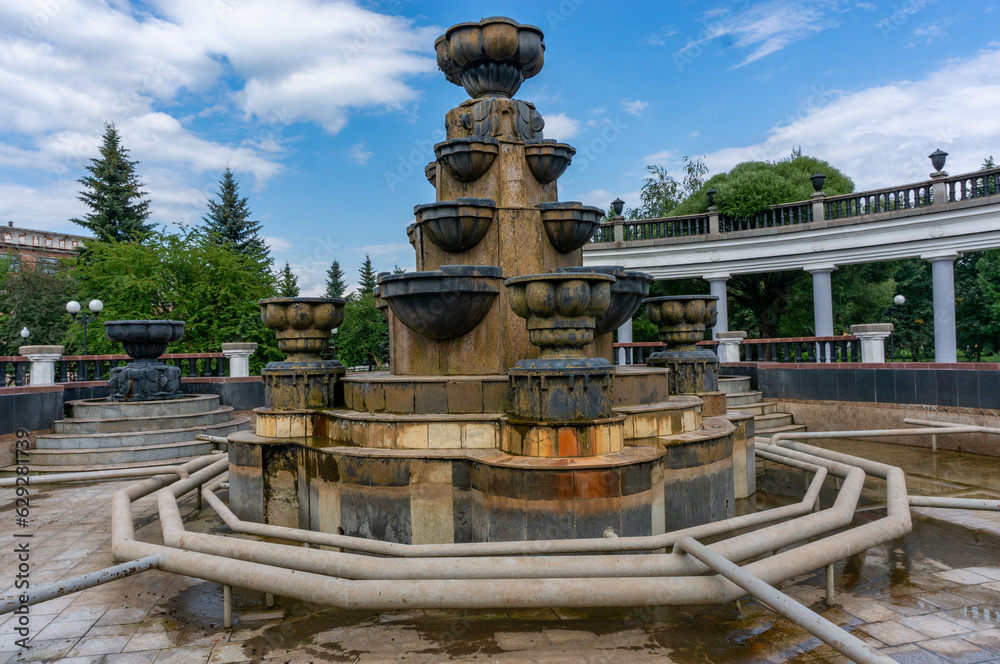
[(468, 159), (627, 293), (491, 57), (547, 159), (682, 321), (456, 225), (304, 380), (570, 225), (560, 310), (146, 378)]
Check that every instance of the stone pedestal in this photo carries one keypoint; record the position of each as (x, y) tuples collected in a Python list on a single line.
[(584, 439), (238, 355), (560, 394), (729, 345), (145, 380), (303, 384), (872, 339), (691, 372), (43, 363)]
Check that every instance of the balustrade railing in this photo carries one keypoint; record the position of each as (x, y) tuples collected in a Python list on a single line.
[(973, 185), (787, 214), (796, 349), (635, 353), (654, 229), (880, 200), (15, 371)]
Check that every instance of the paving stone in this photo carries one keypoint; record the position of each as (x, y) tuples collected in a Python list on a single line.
[(933, 626), (892, 633), (959, 651), (64, 629), (521, 640), (96, 645), (987, 639), (184, 656)]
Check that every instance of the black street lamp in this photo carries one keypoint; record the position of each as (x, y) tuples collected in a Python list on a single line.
[(618, 205), (73, 307), (897, 302)]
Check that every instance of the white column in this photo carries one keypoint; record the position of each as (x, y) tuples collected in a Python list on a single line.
[(43, 363), (729, 345), (822, 298), (872, 339), (717, 283), (239, 358), (943, 275), (625, 337)]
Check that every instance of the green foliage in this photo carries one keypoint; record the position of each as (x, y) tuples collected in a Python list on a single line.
[(661, 193), (184, 276), (288, 283), (35, 299), (119, 207), (363, 337), (366, 286), (914, 321), (335, 284), (228, 222)]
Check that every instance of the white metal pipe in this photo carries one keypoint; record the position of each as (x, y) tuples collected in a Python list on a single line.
[(955, 503), (98, 475), (568, 546), (949, 425), (77, 583), (815, 624)]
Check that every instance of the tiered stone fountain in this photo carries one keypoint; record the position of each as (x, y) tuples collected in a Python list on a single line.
[(502, 417)]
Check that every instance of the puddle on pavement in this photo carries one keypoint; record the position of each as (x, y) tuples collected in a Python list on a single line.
[(733, 634)]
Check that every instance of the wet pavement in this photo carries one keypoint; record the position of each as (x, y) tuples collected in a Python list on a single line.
[(933, 596)]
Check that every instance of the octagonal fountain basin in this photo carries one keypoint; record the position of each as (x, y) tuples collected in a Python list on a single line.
[(445, 303), (627, 293), (547, 159), (570, 225), (144, 340), (468, 159), (456, 225)]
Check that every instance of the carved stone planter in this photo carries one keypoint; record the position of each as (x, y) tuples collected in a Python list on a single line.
[(627, 293), (563, 385), (491, 57), (547, 159), (468, 159), (145, 378), (682, 321), (442, 304), (570, 225), (304, 380), (456, 225)]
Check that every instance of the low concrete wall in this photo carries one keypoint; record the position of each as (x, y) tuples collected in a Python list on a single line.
[(854, 415), (35, 408)]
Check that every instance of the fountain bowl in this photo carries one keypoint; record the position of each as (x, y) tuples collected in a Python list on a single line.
[(442, 304), (560, 309), (468, 159), (682, 319), (144, 340), (456, 225), (570, 225), (302, 324), (627, 293), (547, 159), (491, 57)]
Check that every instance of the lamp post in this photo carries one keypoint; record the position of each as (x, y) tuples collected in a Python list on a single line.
[(25, 333), (897, 302), (73, 307)]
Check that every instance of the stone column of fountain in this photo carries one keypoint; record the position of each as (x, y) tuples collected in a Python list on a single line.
[(146, 378)]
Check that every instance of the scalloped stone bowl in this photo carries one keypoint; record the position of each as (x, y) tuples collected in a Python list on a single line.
[(547, 159), (682, 319), (570, 225), (442, 304), (627, 293), (302, 324), (560, 309), (468, 159), (144, 340), (456, 225), (490, 57)]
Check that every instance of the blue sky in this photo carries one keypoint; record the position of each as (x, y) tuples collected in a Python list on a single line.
[(328, 111)]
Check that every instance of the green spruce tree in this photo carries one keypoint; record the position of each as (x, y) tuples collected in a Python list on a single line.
[(228, 222), (368, 277), (288, 283), (112, 191), (335, 284)]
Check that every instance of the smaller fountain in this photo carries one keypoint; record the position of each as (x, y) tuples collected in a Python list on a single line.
[(146, 378), (304, 379), (682, 321)]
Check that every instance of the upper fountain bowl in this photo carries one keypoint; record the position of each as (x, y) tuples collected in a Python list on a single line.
[(144, 339), (492, 57)]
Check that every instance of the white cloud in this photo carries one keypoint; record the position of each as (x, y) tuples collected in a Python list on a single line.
[(277, 243), (67, 67), (360, 154), (561, 127), (387, 249), (886, 142), (635, 107), (765, 27)]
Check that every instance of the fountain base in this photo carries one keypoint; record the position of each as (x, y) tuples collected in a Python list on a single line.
[(145, 382), (303, 384)]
